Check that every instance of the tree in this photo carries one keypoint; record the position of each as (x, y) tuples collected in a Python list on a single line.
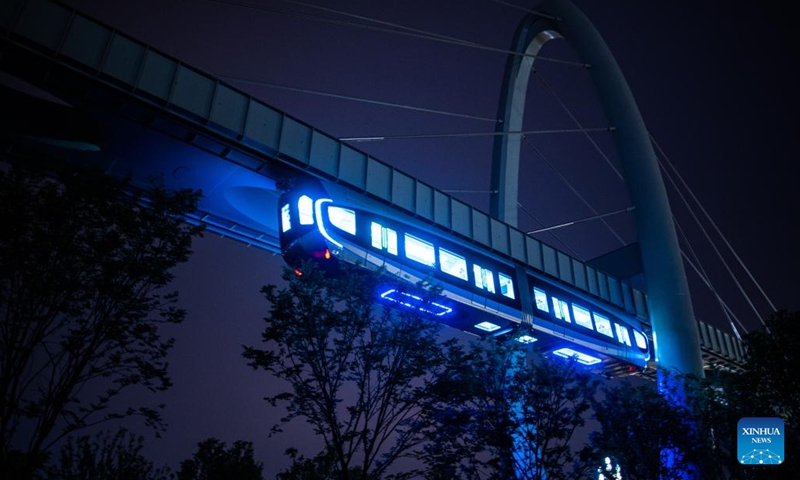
[(359, 375), (552, 397), (84, 260), (108, 456), (638, 424), (514, 416), (213, 461), (767, 387), (772, 383)]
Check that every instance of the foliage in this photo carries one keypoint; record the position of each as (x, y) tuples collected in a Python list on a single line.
[(513, 415), (766, 388), (108, 456), (213, 461), (771, 383), (638, 424), (83, 265), (359, 375), (320, 467), (553, 396)]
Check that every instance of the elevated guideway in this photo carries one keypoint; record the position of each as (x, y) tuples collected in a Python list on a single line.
[(134, 110)]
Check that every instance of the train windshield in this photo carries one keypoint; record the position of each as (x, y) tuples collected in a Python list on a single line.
[(305, 210), (343, 218)]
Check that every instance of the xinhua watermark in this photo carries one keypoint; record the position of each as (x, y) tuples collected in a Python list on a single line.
[(760, 441)]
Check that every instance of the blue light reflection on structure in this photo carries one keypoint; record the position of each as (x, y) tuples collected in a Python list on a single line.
[(414, 301), (579, 357)]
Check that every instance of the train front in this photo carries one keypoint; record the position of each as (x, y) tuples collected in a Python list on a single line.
[(302, 236)]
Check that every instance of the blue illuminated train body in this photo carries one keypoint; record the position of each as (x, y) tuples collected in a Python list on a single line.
[(483, 294)]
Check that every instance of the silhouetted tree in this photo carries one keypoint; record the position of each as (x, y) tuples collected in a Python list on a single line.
[(509, 415), (552, 398), (770, 382), (359, 375), (638, 425), (107, 456), (320, 467), (213, 461), (766, 388), (83, 265), (638, 422)]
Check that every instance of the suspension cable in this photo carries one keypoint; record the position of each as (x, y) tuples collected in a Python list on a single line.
[(725, 308), (400, 30), (578, 123), (587, 219), (572, 188), (473, 134), (701, 272), (524, 9), (552, 234), (710, 241), (713, 224), (356, 99)]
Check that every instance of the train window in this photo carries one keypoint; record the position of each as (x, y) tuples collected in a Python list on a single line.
[(342, 218), (453, 264), (541, 300), (483, 278), (305, 210), (506, 285), (383, 238), (286, 219), (603, 325), (622, 334), (582, 316), (561, 310), (419, 250), (641, 342)]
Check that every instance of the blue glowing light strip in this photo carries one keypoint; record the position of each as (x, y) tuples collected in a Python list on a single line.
[(388, 295), (318, 213), (578, 356), (487, 326)]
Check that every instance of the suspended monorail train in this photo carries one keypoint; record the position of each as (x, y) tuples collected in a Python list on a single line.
[(483, 294)]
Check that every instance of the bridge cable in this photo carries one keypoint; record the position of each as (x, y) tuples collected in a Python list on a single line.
[(587, 219), (525, 9), (594, 144), (557, 97), (597, 148), (572, 188), (578, 123), (713, 224), (356, 99), (473, 134), (698, 268), (701, 271), (431, 35), (725, 308), (711, 242), (552, 234), (406, 31)]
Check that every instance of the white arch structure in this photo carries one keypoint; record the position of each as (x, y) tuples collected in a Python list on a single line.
[(675, 330)]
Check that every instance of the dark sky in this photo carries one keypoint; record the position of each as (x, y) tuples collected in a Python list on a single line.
[(713, 83)]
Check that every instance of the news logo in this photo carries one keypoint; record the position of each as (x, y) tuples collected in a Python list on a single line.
[(760, 441)]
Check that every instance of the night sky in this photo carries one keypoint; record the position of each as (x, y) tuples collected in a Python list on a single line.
[(713, 85)]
